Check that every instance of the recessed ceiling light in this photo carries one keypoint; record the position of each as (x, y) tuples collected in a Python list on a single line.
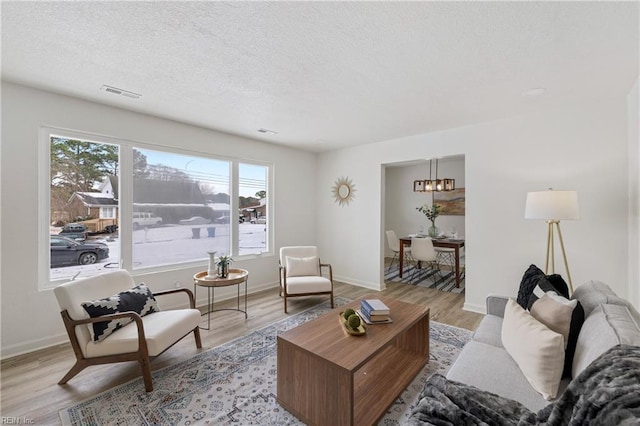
[(267, 131), (537, 91), (121, 92)]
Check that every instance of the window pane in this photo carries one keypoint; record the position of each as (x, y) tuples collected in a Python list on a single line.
[(252, 190), (82, 241), (180, 208)]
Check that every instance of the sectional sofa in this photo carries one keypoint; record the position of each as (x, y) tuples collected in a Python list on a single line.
[(491, 380)]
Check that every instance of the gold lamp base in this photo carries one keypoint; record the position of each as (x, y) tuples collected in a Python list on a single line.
[(550, 251)]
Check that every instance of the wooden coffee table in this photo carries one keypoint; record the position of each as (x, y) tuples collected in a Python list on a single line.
[(327, 377)]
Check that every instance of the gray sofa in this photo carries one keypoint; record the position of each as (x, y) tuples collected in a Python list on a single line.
[(485, 364)]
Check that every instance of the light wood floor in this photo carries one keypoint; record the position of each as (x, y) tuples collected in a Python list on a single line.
[(29, 386)]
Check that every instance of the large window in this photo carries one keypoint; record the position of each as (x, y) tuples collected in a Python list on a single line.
[(81, 172), (181, 208), (182, 205), (252, 200)]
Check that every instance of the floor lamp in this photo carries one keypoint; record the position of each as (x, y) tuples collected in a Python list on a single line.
[(553, 206)]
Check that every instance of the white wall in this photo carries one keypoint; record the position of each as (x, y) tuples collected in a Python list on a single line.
[(580, 147), (634, 194), (401, 202), (31, 318)]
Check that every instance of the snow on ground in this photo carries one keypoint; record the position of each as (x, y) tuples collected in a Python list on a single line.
[(170, 244)]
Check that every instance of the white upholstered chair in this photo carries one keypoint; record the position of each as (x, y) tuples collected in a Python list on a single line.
[(133, 336), (394, 246), (301, 273), (424, 255)]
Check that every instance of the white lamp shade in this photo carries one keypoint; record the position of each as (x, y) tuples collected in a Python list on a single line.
[(552, 205)]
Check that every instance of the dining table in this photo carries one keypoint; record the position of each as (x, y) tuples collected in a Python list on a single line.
[(455, 244)]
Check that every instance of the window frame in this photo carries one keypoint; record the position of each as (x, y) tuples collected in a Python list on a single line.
[(125, 207)]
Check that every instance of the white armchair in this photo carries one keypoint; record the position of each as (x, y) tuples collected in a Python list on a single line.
[(131, 334), (301, 273)]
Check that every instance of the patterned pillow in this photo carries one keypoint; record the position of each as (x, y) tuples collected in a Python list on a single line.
[(559, 284), (138, 299), (528, 283)]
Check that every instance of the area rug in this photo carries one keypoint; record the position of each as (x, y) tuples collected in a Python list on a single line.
[(235, 384), (444, 281)]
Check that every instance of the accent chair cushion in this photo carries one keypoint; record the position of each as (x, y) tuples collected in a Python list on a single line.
[(538, 351), (138, 299), (302, 266), (161, 330)]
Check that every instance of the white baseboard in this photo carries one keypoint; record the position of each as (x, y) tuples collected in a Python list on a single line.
[(39, 344), (358, 283), (34, 345), (481, 309)]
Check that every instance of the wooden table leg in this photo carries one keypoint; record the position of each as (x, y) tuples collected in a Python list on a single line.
[(457, 252), (401, 259)]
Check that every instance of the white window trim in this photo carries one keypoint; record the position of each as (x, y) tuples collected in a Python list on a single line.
[(126, 194)]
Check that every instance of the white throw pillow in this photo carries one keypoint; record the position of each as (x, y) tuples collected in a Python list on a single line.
[(538, 351), (301, 266)]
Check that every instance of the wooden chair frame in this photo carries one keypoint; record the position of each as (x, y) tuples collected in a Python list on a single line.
[(283, 284), (141, 355)]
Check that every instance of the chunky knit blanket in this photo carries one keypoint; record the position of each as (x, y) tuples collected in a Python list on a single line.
[(605, 393)]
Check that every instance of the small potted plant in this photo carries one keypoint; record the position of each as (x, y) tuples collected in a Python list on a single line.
[(431, 212), (223, 266)]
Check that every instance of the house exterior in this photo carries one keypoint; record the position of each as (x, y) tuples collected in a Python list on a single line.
[(254, 212), (171, 200)]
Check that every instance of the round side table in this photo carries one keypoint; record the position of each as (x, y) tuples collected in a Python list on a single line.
[(235, 277)]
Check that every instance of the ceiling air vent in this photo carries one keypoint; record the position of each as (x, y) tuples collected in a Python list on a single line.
[(121, 92)]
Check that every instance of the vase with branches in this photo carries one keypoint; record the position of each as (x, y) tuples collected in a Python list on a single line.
[(431, 212)]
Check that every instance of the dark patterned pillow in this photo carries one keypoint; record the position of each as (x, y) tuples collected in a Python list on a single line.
[(528, 283), (138, 299), (561, 315), (559, 284)]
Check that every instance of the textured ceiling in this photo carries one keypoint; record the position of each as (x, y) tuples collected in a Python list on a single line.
[(324, 75)]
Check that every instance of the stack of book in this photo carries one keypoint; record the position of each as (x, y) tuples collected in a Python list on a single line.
[(374, 311)]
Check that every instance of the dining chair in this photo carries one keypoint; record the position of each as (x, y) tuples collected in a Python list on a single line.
[(424, 255), (394, 246), (447, 256)]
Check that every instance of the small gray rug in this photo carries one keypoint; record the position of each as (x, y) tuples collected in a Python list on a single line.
[(429, 278), (235, 384)]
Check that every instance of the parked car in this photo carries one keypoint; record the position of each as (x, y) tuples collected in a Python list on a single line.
[(222, 219), (195, 220), (144, 219), (65, 251), (74, 231), (261, 220)]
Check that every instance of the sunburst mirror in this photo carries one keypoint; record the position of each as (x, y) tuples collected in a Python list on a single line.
[(343, 191)]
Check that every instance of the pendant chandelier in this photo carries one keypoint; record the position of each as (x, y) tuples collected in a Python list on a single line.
[(434, 185)]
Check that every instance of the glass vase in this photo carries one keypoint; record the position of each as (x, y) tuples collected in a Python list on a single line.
[(433, 231), (223, 270)]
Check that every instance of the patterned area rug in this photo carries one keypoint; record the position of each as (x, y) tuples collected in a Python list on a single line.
[(235, 383), (444, 281)]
